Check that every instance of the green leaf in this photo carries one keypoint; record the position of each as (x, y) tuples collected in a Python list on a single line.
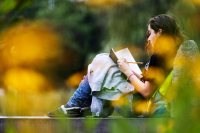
[(7, 5)]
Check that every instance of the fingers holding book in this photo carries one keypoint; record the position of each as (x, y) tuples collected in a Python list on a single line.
[(124, 56), (129, 62), (122, 61), (124, 66)]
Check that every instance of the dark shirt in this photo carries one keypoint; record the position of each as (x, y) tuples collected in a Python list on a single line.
[(156, 70)]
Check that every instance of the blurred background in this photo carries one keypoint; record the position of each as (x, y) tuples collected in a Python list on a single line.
[(46, 46)]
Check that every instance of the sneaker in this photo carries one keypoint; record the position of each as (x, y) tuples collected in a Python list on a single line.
[(63, 111), (85, 111)]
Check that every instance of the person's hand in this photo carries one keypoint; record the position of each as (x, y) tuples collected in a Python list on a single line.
[(124, 66)]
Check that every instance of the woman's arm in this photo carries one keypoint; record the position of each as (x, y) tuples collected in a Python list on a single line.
[(144, 88)]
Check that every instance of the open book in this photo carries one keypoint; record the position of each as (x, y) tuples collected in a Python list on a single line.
[(125, 53)]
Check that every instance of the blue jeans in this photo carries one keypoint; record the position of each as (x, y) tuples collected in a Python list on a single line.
[(82, 96)]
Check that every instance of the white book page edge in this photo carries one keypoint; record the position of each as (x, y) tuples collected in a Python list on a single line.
[(125, 53)]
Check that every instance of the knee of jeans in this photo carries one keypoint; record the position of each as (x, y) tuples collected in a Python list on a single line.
[(102, 59)]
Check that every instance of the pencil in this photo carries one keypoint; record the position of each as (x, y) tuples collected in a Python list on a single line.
[(136, 62)]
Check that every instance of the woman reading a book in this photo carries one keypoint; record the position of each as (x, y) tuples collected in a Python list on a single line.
[(104, 81)]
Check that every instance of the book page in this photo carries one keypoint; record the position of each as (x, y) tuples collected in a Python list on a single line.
[(125, 53)]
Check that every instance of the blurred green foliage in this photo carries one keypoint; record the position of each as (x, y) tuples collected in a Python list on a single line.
[(7, 5), (187, 15)]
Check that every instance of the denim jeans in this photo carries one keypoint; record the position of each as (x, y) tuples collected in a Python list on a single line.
[(82, 96)]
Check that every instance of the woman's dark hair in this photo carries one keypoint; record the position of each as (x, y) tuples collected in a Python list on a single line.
[(167, 24)]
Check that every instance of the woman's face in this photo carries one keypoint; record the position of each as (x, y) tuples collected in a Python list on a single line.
[(151, 39)]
